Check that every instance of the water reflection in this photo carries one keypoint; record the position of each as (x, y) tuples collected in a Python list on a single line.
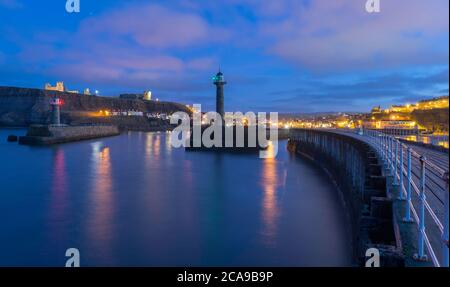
[(168, 143), (157, 146), (59, 184), (148, 145), (101, 221), (58, 193), (270, 212), (152, 146), (187, 209)]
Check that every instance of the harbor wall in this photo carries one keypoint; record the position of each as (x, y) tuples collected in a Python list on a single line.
[(358, 174), (47, 135)]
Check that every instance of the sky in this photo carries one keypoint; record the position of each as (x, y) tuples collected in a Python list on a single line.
[(277, 55)]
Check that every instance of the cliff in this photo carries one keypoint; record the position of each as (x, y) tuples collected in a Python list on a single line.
[(23, 106)]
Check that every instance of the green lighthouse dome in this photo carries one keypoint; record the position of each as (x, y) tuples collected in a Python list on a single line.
[(219, 78)]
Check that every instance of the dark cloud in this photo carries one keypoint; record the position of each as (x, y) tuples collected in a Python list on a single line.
[(392, 88)]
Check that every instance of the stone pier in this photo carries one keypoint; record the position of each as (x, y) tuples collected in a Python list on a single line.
[(359, 175)]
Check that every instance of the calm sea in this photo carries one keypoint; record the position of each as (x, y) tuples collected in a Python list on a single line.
[(133, 200)]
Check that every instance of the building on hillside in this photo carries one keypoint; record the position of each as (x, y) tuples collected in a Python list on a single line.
[(376, 110), (401, 108), (59, 87), (147, 96), (435, 103), (390, 124)]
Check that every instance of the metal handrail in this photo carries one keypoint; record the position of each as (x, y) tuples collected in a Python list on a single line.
[(388, 147), (430, 164)]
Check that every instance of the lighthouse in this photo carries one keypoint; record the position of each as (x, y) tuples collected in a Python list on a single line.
[(220, 82), (56, 103)]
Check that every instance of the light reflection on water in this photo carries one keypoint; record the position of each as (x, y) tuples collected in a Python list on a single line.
[(59, 192), (100, 225), (133, 200), (269, 182)]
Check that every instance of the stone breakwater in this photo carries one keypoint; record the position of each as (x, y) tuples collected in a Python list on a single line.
[(357, 172), (48, 135), (24, 106)]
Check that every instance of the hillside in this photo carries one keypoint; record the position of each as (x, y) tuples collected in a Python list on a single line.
[(432, 120), (23, 106)]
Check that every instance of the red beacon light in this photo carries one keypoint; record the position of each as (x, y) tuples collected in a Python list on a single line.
[(57, 102)]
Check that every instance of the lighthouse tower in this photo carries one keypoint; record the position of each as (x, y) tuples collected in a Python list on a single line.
[(56, 104), (220, 82)]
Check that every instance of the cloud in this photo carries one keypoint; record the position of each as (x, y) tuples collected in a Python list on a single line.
[(320, 35), (341, 35), (338, 35), (360, 94), (134, 45), (318, 54), (150, 26)]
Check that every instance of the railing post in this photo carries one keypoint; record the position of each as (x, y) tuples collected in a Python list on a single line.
[(445, 232), (396, 163), (387, 151), (380, 143), (420, 255), (379, 140), (408, 187), (388, 143), (392, 155), (402, 184)]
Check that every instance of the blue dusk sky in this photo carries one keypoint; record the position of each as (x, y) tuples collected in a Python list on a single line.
[(277, 55)]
